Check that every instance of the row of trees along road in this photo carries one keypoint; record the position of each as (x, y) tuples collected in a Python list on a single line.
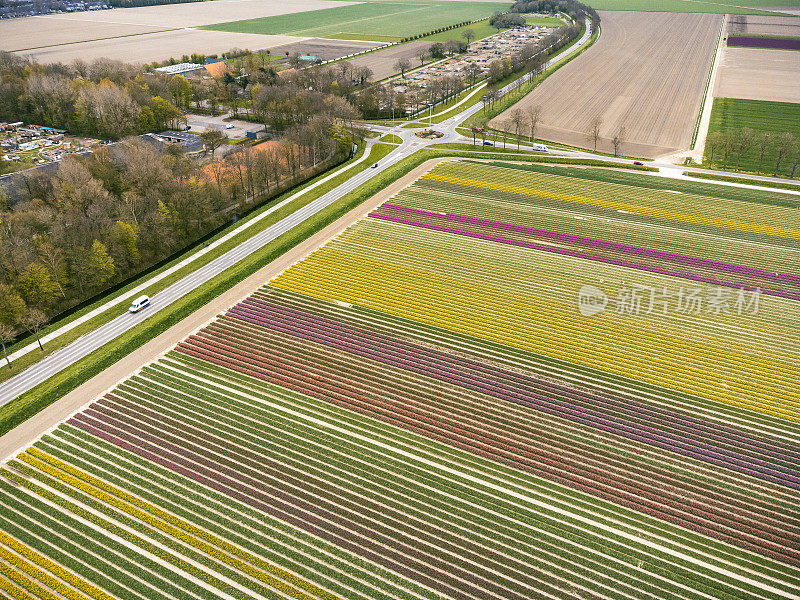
[(753, 151), (67, 235)]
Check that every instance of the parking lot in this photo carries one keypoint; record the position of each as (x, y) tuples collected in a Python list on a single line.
[(200, 123)]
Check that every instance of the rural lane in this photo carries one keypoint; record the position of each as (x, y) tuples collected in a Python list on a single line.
[(53, 363)]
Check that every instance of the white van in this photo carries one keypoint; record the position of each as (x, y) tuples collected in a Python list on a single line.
[(140, 303), (540, 148)]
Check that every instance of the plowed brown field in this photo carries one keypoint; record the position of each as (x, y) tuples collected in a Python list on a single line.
[(646, 73), (756, 74)]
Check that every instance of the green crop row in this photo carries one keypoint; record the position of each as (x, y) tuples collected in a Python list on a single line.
[(461, 460)]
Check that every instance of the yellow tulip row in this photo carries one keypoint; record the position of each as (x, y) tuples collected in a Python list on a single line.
[(42, 561), (545, 184), (543, 276), (629, 346), (174, 526), (12, 575), (555, 277), (582, 220), (12, 590), (104, 524), (626, 206)]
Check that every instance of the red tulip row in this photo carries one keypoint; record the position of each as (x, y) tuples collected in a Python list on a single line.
[(371, 527), (339, 387)]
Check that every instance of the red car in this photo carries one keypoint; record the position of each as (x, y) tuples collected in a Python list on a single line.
[(638, 162)]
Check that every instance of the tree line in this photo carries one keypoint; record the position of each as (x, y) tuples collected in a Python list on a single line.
[(74, 230), (577, 11), (758, 149), (102, 98)]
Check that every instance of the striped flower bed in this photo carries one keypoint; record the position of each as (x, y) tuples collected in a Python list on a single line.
[(418, 411)]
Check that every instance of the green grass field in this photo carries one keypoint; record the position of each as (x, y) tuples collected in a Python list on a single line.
[(692, 6), (544, 21), (372, 19), (774, 117), (482, 29)]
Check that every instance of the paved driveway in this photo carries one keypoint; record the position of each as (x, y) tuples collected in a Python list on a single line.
[(201, 123)]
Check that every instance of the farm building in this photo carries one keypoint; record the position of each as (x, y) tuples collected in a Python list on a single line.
[(180, 68), (193, 144), (217, 68)]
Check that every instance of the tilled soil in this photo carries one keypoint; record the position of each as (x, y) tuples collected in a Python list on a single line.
[(646, 73)]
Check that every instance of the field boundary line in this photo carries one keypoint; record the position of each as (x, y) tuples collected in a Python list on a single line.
[(704, 116), (531, 499)]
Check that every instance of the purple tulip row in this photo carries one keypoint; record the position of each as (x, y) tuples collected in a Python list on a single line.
[(544, 233), (365, 532), (527, 431), (755, 41), (792, 291), (603, 412), (649, 498), (351, 380)]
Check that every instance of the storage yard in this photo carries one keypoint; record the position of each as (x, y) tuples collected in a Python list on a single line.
[(646, 73), (358, 428), (481, 53)]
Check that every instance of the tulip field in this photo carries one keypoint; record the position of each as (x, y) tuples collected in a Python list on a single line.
[(420, 409)]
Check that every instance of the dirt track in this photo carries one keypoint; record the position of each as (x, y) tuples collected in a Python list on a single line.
[(23, 435), (756, 74), (646, 73)]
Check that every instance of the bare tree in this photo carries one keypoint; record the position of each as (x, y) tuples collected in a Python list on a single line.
[(468, 35), (34, 320), (363, 75), (795, 160), (728, 147), (764, 143), (618, 140), (471, 72), (594, 131), (744, 141), (786, 145), (507, 124), (422, 54), (518, 119), (534, 117), (713, 143), (213, 138), (402, 65), (7, 336), (486, 99)]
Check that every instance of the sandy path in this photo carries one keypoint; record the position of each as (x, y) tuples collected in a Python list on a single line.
[(26, 433)]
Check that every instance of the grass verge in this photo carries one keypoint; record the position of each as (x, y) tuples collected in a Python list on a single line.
[(731, 179), (391, 138), (378, 151), (47, 392)]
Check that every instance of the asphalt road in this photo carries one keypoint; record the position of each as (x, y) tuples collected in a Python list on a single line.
[(59, 360)]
